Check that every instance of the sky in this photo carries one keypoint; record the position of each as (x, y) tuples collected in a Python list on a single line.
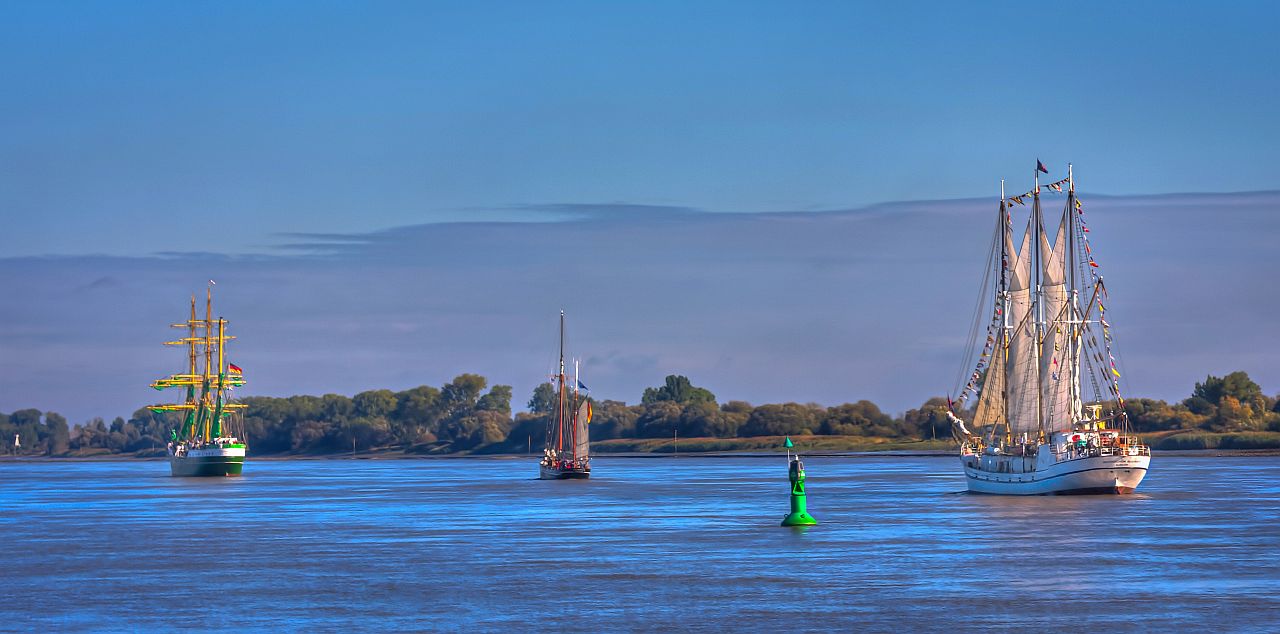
[(390, 194)]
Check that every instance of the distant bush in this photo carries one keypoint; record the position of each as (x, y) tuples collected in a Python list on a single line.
[(1251, 440), (1242, 440)]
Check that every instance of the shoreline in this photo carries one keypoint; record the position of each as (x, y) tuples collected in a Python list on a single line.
[(397, 455)]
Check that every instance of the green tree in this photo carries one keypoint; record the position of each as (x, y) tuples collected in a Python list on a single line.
[(59, 434), (790, 419), (311, 436), (734, 415), (679, 390), (419, 406), (497, 400), (93, 434), (1237, 384), (929, 420), (863, 418), (462, 392), (334, 408), (24, 417), (659, 419), (1237, 402), (613, 419), (375, 403), (528, 434), (364, 433), (543, 400)]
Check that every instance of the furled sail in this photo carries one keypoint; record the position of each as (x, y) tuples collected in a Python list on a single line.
[(1057, 358), (1020, 365)]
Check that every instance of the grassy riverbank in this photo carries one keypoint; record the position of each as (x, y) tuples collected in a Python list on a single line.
[(1176, 440), (803, 444)]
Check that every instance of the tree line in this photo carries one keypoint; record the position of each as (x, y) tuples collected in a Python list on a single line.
[(466, 414)]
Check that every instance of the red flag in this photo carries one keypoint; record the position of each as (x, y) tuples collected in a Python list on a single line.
[(234, 368), (1040, 166)]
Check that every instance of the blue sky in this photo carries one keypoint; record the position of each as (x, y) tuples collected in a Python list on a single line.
[(237, 129), (140, 127)]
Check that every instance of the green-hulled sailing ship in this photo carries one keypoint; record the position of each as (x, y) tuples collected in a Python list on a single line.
[(205, 444)]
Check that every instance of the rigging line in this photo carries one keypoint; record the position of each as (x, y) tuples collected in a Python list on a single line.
[(1091, 348), (1124, 371), (967, 351)]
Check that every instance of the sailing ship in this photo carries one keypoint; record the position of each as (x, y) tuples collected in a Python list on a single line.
[(205, 444), (1047, 338), (566, 453)]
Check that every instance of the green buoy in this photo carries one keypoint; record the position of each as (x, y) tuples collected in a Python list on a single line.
[(799, 515)]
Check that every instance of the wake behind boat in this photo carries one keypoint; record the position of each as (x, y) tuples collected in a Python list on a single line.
[(566, 454), (1047, 337), (204, 444)]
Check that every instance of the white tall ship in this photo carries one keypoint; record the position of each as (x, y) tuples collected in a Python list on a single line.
[(1047, 340)]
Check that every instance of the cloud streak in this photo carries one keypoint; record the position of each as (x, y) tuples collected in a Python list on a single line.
[(827, 306)]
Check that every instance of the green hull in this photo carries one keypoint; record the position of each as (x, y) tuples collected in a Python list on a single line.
[(206, 466)]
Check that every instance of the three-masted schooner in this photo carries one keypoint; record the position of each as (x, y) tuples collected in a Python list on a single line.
[(566, 454), (1046, 339), (204, 445)]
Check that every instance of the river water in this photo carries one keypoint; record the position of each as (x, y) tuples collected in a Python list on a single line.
[(648, 544)]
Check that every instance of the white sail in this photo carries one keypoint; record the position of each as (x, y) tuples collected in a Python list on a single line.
[(581, 437), (991, 402), (1033, 377), (1020, 373), (1057, 358)]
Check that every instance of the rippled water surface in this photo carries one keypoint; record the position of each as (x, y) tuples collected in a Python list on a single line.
[(647, 544)]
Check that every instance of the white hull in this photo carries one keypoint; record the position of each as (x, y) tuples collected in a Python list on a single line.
[(1095, 474)]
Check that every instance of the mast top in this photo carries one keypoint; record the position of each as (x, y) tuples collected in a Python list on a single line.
[(562, 347)]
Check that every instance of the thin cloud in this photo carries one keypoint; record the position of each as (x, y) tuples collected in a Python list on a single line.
[(827, 306)]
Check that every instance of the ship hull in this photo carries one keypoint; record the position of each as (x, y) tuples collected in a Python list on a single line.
[(1116, 474), (553, 473), (209, 462)]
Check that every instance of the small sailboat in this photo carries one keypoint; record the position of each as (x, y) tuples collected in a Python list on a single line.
[(1047, 339), (205, 444), (566, 454)]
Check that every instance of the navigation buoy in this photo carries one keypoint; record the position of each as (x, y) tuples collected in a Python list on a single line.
[(799, 515)]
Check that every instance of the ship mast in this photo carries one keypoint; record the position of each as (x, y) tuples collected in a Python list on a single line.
[(1002, 300), (217, 395), (1037, 301), (574, 417), (189, 426), (203, 412), (560, 395), (206, 397), (1074, 318)]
